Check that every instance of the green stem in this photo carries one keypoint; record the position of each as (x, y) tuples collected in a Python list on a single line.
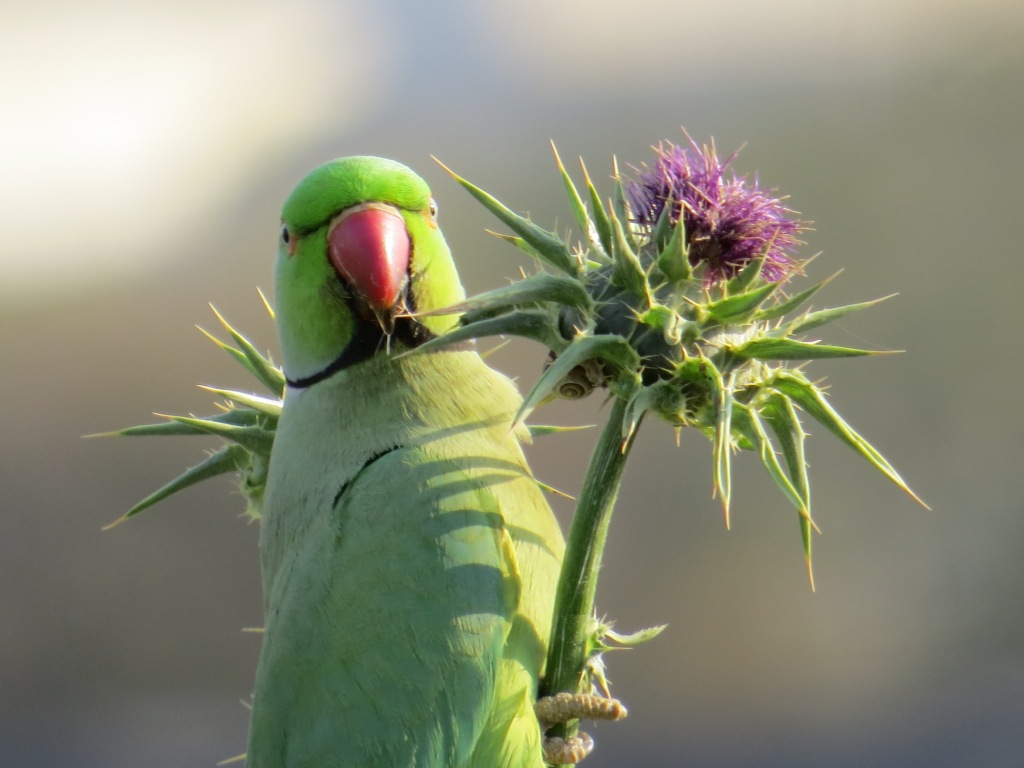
[(577, 582)]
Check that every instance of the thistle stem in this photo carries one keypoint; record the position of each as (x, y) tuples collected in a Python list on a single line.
[(577, 582)]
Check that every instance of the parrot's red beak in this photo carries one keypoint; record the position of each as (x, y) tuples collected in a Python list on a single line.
[(369, 247)]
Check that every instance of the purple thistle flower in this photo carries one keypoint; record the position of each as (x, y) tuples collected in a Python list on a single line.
[(727, 221)]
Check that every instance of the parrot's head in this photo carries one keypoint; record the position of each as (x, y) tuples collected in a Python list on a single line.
[(360, 255)]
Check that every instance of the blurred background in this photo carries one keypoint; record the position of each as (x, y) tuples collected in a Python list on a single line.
[(145, 152)]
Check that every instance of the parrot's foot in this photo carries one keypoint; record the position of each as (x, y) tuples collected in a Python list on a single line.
[(563, 707)]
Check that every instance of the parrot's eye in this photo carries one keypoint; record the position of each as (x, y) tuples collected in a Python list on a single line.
[(433, 208), (285, 235)]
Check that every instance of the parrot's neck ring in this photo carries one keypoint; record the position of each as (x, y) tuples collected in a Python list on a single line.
[(344, 360), (367, 341)]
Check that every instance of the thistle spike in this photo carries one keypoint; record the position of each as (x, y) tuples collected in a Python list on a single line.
[(601, 221), (576, 205), (227, 459), (547, 245), (814, 319), (813, 401)]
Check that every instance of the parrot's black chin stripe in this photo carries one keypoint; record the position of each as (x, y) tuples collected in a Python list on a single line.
[(367, 341)]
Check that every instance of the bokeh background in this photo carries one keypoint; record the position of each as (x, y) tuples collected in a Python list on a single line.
[(144, 154)]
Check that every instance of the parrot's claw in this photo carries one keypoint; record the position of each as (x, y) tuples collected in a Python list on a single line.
[(563, 707), (559, 751)]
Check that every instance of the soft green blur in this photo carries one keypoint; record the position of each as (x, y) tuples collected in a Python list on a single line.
[(898, 135)]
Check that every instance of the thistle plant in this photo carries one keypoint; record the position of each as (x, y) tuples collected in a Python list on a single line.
[(674, 301)]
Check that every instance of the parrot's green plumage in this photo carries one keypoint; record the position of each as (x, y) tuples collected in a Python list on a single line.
[(409, 560)]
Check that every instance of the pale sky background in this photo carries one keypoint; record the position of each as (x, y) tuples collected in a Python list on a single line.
[(145, 150), (108, 105)]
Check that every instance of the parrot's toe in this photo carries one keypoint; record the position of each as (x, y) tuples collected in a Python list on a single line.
[(559, 751), (563, 707)]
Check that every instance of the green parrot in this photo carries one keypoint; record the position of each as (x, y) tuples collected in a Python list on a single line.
[(408, 558)]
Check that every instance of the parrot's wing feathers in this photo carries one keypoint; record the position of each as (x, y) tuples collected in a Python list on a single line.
[(414, 590)]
